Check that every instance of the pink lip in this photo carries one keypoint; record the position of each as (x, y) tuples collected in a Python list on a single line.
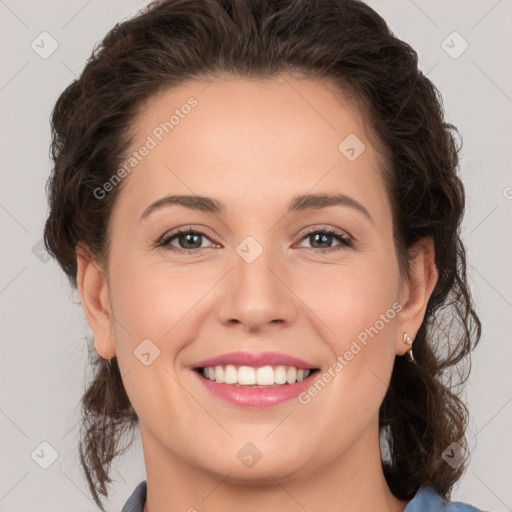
[(254, 396), (255, 360)]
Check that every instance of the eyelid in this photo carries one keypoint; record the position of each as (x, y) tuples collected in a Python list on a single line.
[(180, 230), (329, 229), (186, 228)]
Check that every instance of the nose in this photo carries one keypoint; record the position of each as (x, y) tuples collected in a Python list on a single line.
[(256, 296)]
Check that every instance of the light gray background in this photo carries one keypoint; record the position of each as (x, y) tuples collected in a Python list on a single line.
[(44, 356)]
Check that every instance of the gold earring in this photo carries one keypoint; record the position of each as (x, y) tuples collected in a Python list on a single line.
[(407, 340)]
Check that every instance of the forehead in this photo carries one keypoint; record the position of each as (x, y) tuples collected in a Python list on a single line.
[(247, 140)]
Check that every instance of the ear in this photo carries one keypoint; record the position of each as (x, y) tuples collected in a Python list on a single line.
[(93, 289), (416, 290)]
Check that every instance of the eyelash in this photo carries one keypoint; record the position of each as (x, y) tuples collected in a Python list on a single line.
[(344, 240)]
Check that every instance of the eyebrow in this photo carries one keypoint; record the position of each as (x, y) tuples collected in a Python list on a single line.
[(297, 204)]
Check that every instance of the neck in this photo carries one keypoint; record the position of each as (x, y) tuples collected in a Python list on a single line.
[(353, 482)]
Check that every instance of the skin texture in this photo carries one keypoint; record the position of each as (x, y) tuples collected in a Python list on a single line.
[(253, 145)]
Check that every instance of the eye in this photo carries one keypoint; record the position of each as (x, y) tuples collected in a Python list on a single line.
[(324, 237), (189, 240)]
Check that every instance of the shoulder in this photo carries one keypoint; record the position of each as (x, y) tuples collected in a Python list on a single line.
[(428, 499), (137, 499)]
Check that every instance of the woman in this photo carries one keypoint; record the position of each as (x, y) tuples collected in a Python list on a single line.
[(259, 205)]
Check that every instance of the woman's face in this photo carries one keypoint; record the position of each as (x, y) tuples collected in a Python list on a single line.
[(257, 275)]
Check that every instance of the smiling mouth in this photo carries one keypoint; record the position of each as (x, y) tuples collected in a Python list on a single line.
[(250, 377)]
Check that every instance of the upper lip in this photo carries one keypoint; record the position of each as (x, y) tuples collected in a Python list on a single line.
[(254, 360)]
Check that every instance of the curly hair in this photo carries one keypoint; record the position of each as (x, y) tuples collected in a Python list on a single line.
[(349, 44)]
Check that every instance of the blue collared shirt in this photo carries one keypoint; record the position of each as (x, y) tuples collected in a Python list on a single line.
[(425, 500)]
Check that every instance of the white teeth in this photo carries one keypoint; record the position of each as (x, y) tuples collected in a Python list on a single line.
[(280, 375), (249, 376), (230, 375), (246, 376), (291, 375), (265, 376), (219, 374)]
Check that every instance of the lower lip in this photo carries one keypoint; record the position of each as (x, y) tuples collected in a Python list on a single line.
[(257, 397)]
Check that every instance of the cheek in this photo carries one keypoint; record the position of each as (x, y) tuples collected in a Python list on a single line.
[(359, 306), (355, 310), (355, 303), (150, 303), (151, 300)]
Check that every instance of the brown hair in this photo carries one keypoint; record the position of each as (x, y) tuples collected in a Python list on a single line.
[(343, 41)]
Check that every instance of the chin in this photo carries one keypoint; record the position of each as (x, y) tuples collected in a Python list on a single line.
[(252, 466)]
